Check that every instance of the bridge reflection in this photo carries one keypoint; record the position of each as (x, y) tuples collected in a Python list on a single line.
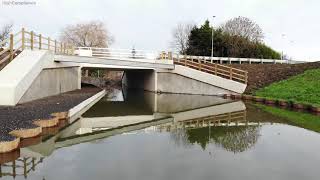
[(188, 119)]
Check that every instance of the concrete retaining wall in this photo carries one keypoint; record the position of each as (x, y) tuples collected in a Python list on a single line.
[(175, 83), (181, 80), (209, 79), (52, 82)]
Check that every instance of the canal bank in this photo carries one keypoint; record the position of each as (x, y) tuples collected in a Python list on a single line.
[(30, 120)]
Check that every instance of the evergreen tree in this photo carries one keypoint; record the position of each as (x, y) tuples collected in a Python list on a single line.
[(226, 45)]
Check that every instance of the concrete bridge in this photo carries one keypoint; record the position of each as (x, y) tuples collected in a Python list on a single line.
[(36, 66)]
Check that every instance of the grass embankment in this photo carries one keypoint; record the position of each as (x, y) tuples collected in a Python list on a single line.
[(304, 88), (304, 120)]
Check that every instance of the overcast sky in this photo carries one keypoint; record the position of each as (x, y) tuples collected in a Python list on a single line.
[(148, 24)]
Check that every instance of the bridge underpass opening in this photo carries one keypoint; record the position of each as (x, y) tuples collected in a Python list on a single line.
[(101, 77), (138, 79)]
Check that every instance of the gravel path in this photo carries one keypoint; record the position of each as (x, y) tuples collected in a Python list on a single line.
[(23, 115)]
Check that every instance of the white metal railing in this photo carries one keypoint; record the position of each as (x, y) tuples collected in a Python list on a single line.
[(157, 55), (120, 53), (230, 60)]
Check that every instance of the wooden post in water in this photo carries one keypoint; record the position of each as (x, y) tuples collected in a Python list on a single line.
[(14, 168), (11, 47), (25, 167), (33, 164)]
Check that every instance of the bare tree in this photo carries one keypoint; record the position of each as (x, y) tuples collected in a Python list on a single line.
[(5, 31), (245, 27), (180, 36), (91, 34)]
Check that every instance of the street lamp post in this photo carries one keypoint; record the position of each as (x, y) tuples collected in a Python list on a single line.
[(212, 38), (282, 53)]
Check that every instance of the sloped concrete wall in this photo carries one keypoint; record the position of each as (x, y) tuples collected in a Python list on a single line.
[(30, 69), (175, 83), (52, 82), (19, 74), (206, 78)]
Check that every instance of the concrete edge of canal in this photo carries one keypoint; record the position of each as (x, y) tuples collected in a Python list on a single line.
[(71, 115), (77, 111)]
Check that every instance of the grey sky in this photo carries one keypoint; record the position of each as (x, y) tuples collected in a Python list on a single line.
[(148, 24)]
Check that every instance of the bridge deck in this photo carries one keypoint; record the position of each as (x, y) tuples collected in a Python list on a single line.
[(114, 63)]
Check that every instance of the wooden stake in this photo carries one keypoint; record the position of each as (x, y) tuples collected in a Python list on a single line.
[(22, 39), (11, 47), (49, 43), (55, 46), (40, 39), (31, 40)]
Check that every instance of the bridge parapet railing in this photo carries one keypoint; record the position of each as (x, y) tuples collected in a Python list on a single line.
[(12, 46), (214, 68), (111, 53)]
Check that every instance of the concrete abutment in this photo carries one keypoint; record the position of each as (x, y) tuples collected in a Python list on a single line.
[(51, 82), (181, 80)]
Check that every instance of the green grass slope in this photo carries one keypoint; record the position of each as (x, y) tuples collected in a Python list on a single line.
[(304, 88)]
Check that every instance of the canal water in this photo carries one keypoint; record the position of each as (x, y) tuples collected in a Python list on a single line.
[(168, 136)]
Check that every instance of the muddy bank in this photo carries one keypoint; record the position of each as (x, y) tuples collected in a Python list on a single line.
[(23, 116)]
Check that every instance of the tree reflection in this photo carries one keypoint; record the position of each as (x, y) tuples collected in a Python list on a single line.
[(180, 137), (233, 138)]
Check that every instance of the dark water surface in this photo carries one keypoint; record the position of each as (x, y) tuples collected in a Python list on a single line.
[(185, 137)]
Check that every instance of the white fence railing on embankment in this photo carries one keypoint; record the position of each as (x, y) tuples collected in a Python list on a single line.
[(231, 60)]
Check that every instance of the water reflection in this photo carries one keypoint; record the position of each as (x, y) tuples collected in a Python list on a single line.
[(235, 139), (232, 131), (117, 114), (194, 124), (19, 167)]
